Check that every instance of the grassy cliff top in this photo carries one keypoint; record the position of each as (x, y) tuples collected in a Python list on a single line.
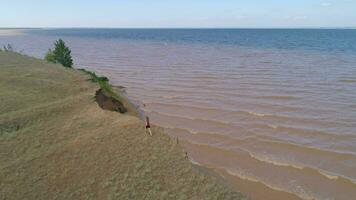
[(57, 143)]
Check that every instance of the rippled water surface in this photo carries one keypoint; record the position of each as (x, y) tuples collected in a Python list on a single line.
[(272, 111)]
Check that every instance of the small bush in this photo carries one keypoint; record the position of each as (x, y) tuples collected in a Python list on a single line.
[(50, 56), (61, 54), (7, 48)]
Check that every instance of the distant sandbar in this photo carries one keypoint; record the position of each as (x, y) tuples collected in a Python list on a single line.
[(11, 32)]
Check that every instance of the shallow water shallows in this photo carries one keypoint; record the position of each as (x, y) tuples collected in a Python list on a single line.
[(269, 109)]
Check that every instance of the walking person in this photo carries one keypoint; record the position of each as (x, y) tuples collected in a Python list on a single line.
[(148, 126)]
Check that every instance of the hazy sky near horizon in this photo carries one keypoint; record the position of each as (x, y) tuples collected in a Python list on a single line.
[(182, 13)]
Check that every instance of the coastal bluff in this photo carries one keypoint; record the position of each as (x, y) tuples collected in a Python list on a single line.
[(56, 142)]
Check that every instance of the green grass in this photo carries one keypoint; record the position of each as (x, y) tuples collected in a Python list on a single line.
[(57, 143), (103, 83)]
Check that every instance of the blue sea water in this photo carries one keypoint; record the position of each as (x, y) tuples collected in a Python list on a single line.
[(327, 40)]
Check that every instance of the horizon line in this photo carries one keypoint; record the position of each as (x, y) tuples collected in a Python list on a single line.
[(306, 27)]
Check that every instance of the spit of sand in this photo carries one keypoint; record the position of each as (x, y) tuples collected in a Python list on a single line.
[(10, 32)]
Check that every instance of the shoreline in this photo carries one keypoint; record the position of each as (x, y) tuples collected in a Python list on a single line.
[(136, 110), (67, 147), (220, 174)]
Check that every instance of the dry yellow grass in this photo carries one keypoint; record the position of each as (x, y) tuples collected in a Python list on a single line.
[(57, 143)]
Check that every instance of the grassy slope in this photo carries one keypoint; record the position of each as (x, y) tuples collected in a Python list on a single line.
[(56, 143)]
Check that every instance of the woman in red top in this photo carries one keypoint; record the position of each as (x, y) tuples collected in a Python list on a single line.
[(148, 126)]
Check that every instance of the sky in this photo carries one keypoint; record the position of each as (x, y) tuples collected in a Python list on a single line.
[(178, 13)]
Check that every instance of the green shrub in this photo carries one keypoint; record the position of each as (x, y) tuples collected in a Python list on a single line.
[(61, 54), (103, 82), (50, 56), (7, 48)]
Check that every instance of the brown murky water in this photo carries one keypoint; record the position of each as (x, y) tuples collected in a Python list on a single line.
[(277, 124)]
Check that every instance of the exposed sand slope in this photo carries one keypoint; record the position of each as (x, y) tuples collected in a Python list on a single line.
[(57, 143)]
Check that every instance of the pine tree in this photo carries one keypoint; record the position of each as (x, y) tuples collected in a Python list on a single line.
[(61, 54)]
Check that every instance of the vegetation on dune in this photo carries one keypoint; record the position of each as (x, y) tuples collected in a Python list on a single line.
[(7, 48), (61, 54), (103, 82), (106, 94), (50, 56)]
